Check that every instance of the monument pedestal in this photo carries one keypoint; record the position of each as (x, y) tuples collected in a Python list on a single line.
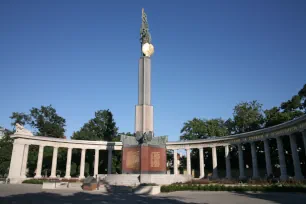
[(144, 159)]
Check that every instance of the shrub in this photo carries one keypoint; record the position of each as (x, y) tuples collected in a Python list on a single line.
[(34, 181), (217, 187)]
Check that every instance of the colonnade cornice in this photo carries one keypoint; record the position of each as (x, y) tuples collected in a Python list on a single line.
[(287, 128)]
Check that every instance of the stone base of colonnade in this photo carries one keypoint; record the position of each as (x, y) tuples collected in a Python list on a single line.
[(137, 179)]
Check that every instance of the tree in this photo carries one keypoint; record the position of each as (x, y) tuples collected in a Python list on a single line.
[(44, 119), (101, 127), (20, 118), (275, 116), (6, 146), (247, 116), (201, 129)]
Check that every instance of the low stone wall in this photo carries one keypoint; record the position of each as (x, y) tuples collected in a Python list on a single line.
[(147, 190), (136, 179)]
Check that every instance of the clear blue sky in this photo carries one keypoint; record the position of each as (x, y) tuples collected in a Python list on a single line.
[(82, 56)]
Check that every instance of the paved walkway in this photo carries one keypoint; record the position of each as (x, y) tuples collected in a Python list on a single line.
[(28, 193)]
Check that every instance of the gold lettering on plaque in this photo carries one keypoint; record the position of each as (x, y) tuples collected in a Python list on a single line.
[(155, 159), (132, 159)]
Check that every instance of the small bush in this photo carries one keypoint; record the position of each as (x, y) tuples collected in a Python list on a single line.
[(33, 181)]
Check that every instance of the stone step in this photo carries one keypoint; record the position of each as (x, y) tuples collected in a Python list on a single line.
[(121, 180)]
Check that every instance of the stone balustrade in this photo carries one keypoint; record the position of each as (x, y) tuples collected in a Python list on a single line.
[(19, 159)]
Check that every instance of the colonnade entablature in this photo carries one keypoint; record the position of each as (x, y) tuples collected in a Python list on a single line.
[(23, 138), (289, 128)]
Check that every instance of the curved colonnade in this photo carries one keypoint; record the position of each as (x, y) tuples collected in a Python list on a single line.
[(19, 159)]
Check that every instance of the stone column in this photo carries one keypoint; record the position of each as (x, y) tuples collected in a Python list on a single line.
[(110, 160), (268, 157), (68, 163), (54, 163), (296, 160), (39, 161), (241, 162), (228, 163), (82, 168), (282, 161), (202, 173), (304, 139), (24, 161), (175, 162), (188, 161), (254, 161), (215, 163), (96, 170), (16, 162)]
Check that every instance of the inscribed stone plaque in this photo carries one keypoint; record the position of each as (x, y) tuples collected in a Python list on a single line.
[(155, 159), (132, 159)]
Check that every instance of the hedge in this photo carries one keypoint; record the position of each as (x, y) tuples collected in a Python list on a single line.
[(269, 188), (34, 181), (42, 180)]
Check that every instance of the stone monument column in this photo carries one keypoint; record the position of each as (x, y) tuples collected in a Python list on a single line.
[(39, 161), (82, 166), (144, 153), (296, 160), (54, 163), (282, 159), (228, 163), (175, 170), (202, 172), (144, 109), (68, 163), (110, 160), (24, 161), (254, 161), (96, 168), (215, 164), (241, 162), (268, 157), (188, 161)]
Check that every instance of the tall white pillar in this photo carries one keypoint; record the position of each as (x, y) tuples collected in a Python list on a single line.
[(188, 161), (304, 139), (215, 162), (254, 161), (96, 170), (54, 163), (39, 161), (228, 163), (296, 160), (82, 167), (16, 162), (202, 173), (268, 157), (282, 161), (110, 161), (241, 162), (68, 163), (175, 162), (24, 161)]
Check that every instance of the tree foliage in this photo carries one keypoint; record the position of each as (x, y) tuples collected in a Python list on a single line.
[(6, 146), (101, 127), (247, 116), (202, 128), (45, 120)]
